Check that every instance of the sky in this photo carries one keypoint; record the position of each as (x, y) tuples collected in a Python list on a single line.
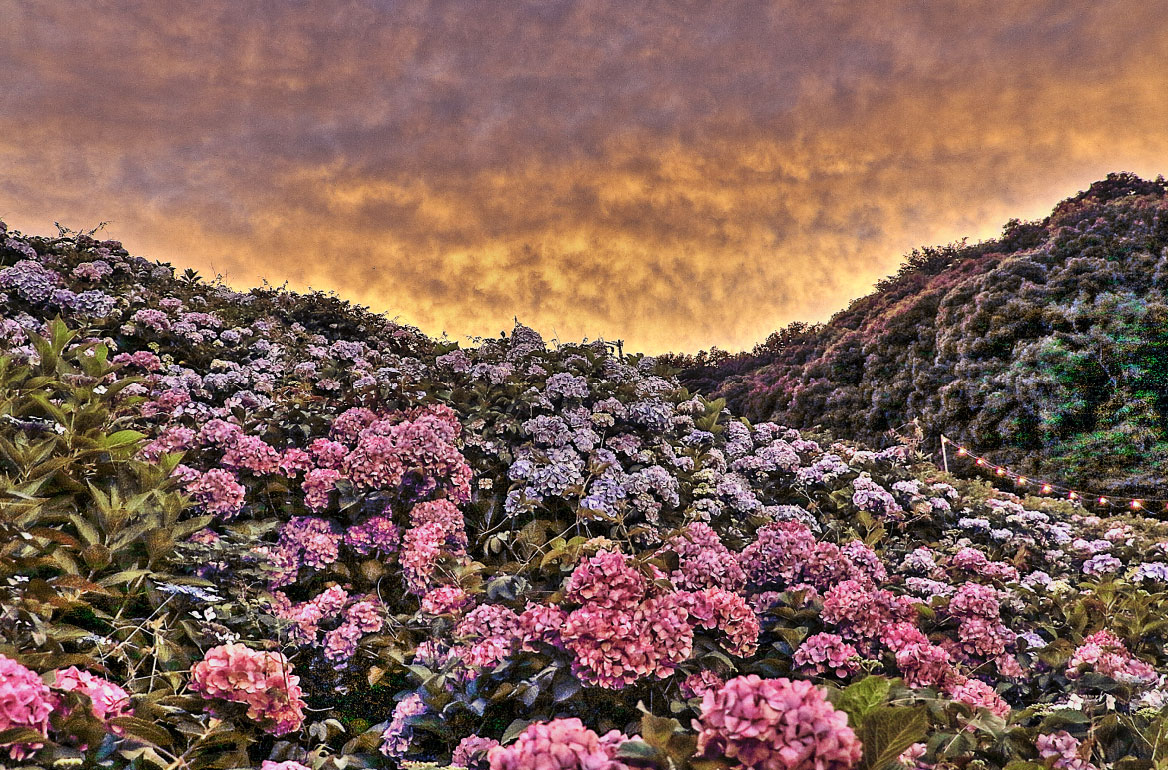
[(675, 174)]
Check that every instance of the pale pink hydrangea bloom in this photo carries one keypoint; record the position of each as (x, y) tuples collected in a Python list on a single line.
[(1105, 653)]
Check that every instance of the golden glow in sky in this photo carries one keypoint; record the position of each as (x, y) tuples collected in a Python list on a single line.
[(677, 174)]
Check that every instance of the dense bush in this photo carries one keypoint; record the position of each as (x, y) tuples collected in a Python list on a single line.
[(1044, 349), (269, 530)]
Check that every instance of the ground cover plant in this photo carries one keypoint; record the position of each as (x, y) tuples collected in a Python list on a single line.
[(262, 529), (1043, 348)]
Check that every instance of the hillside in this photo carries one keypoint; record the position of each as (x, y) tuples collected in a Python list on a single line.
[(262, 529), (1046, 349)]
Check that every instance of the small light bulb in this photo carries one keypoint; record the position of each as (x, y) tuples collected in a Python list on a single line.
[(1047, 489)]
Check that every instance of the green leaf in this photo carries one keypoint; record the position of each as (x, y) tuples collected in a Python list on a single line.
[(513, 730), (122, 438), (636, 749), (20, 735), (656, 731), (887, 731), (142, 730), (860, 698)]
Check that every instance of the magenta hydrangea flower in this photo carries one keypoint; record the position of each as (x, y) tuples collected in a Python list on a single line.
[(775, 724), (377, 534), (397, 736)]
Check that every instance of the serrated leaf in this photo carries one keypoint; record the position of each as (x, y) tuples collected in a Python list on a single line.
[(887, 731)]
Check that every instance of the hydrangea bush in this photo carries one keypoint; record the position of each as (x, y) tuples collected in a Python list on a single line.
[(278, 531)]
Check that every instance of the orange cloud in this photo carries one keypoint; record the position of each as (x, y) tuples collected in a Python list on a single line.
[(676, 174)]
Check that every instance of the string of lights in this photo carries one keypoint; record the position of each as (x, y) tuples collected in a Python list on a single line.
[(1038, 486)]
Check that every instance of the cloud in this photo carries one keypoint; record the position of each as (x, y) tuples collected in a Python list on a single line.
[(676, 174)]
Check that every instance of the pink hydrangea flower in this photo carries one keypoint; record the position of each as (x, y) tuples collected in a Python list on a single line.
[(318, 485), (251, 453), (108, 699), (1105, 653), (285, 765), (218, 491), (471, 751), (823, 653), (729, 613), (697, 685), (445, 600), (25, 701), (263, 681), (541, 623), (775, 724), (437, 530), (861, 612), (977, 694), (607, 581), (561, 744), (1064, 748)]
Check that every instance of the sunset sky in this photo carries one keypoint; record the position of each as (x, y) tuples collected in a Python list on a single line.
[(677, 174)]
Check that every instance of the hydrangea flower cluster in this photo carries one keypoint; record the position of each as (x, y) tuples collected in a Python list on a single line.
[(775, 724), (561, 744), (827, 653), (107, 699), (25, 701), (1105, 653), (1064, 749), (263, 681)]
